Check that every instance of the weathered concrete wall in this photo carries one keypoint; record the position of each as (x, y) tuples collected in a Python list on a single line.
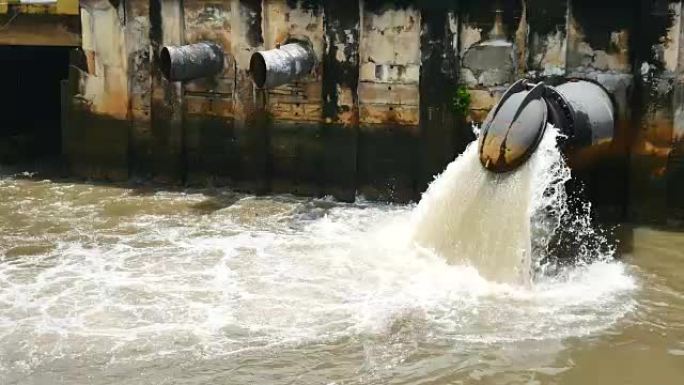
[(375, 115), (599, 39), (388, 96), (443, 134), (655, 178), (95, 139)]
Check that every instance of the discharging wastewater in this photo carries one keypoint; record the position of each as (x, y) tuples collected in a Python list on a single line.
[(108, 285)]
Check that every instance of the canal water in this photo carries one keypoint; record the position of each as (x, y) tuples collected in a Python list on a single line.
[(109, 285)]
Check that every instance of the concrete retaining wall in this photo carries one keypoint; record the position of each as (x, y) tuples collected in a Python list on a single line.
[(374, 116)]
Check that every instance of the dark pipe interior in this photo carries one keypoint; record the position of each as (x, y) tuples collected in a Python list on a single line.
[(30, 101), (165, 62), (257, 69)]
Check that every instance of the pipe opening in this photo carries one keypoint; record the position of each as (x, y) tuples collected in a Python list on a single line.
[(192, 61), (257, 69), (165, 62), (283, 65)]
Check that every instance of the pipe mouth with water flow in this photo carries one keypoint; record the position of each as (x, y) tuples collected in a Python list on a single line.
[(581, 110)]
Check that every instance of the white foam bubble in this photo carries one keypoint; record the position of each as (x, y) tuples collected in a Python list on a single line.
[(151, 275)]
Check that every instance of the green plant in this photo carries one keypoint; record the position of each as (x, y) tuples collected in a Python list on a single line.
[(460, 101)]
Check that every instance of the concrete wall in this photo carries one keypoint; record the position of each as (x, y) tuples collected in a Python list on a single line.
[(374, 116)]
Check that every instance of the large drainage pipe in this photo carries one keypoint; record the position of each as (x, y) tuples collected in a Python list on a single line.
[(581, 110), (281, 65), (194, 61), (592, 111)]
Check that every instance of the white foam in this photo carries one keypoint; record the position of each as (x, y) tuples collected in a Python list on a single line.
[(133, 277), (503, 224)]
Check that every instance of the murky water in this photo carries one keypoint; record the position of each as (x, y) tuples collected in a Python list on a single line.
[(102, 285)]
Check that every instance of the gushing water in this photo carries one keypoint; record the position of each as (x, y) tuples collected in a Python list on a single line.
[(471, 216), (109, 285)]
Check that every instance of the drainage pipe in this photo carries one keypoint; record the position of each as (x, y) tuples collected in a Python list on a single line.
[(583, 111), (194, 61), (282, 65), (593, 113)]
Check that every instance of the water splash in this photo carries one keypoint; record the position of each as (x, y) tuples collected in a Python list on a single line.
[(124, 285), (504, 225)]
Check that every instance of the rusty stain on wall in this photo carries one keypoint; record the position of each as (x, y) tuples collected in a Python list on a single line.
[(389, 55), (341, 64), (105, 86), (246, 38), (283, 22), (138, 51)]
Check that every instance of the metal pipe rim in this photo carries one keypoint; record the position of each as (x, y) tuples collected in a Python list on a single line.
[(165, 62), (258, 70)]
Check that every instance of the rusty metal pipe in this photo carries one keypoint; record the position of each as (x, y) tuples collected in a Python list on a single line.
[(194, 61), (281, 65)]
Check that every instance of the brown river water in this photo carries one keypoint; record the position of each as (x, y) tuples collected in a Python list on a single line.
[(107, 285)]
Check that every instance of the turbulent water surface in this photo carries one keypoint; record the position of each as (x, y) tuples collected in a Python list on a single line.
[(107, 285)]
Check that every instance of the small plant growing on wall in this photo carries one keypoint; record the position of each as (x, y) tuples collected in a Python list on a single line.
[(460, 101)]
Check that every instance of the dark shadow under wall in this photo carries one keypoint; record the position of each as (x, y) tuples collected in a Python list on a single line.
[(30, 112)]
